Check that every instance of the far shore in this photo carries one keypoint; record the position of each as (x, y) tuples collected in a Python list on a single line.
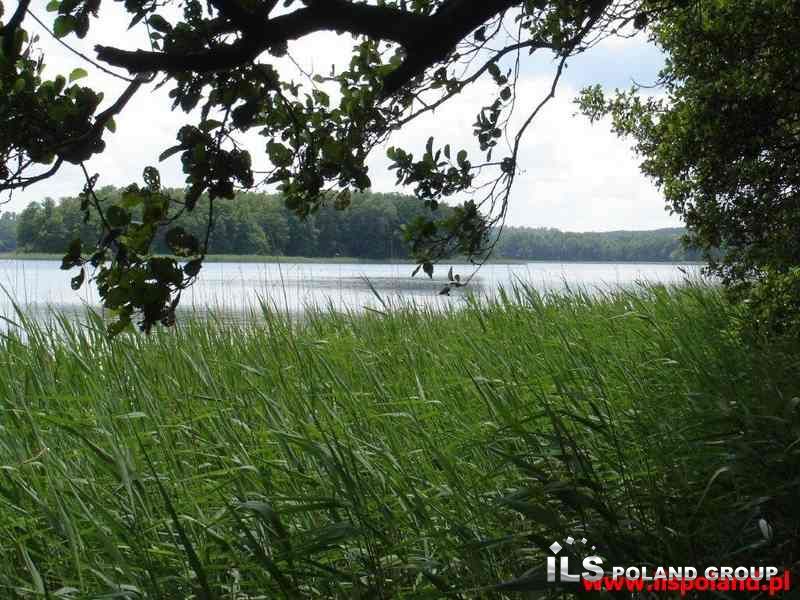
[(247, 258)]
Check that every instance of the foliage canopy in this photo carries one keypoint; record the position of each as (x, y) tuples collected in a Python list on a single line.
[(219, 60), (722, 140)]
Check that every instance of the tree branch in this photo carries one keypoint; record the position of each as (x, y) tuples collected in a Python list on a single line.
[(102, 119), (74, 51), (331, 15), (231, 10), (9, 31), (16, 19), (427, 39), (448, 26), (23, 182), (534, 44)]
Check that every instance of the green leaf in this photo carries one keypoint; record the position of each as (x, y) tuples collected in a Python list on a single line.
[(169, 152), (152, 178), (68, 6), (131, 196), (342, 200), (181, 242), (73, 255), (192, 268), (63, 25), (38, 581), (77, 74), (166, 270), (59, 82), (117, 216), (139, 236), (53, 5), (120, 325), (155, 208), (210, 125), (111, 124), (159, 23), (279, 154)]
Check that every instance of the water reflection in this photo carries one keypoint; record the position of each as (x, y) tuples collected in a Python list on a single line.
[(39, 286)]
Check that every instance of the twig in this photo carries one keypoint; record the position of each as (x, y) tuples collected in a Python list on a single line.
[(77, 53)]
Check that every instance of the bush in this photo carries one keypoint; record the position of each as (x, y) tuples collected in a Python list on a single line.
[(773, 304)]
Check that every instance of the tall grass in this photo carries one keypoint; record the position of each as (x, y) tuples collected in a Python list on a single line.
[(406, 453)]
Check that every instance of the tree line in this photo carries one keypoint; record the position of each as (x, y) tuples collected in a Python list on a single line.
[(260, 224), (553, 244)]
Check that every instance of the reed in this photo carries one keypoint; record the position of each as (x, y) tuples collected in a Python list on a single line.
[(397, 453)]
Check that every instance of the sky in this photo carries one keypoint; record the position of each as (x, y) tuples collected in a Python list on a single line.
[(575, 175)]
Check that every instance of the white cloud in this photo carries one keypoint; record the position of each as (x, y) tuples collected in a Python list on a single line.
[(575, 175)]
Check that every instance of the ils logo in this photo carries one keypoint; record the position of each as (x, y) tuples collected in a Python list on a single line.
[(558, 567), (570, 564)]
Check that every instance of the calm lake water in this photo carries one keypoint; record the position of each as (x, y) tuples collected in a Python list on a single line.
[(41, 286)]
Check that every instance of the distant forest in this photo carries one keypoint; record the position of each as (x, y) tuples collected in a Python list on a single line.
[(260, 224)]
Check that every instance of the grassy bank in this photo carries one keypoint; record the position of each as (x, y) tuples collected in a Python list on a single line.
[(404, 455)]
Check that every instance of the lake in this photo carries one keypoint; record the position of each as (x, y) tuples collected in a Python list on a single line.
[(39, 285)]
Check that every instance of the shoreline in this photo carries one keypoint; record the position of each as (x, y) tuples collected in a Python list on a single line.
[(248, 258)]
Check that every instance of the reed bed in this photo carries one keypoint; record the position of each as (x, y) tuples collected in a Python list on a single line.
[(401, 453)]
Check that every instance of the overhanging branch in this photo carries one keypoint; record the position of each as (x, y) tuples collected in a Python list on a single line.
[(379, 22), (427, 39), (9, 31), (452, 23)]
